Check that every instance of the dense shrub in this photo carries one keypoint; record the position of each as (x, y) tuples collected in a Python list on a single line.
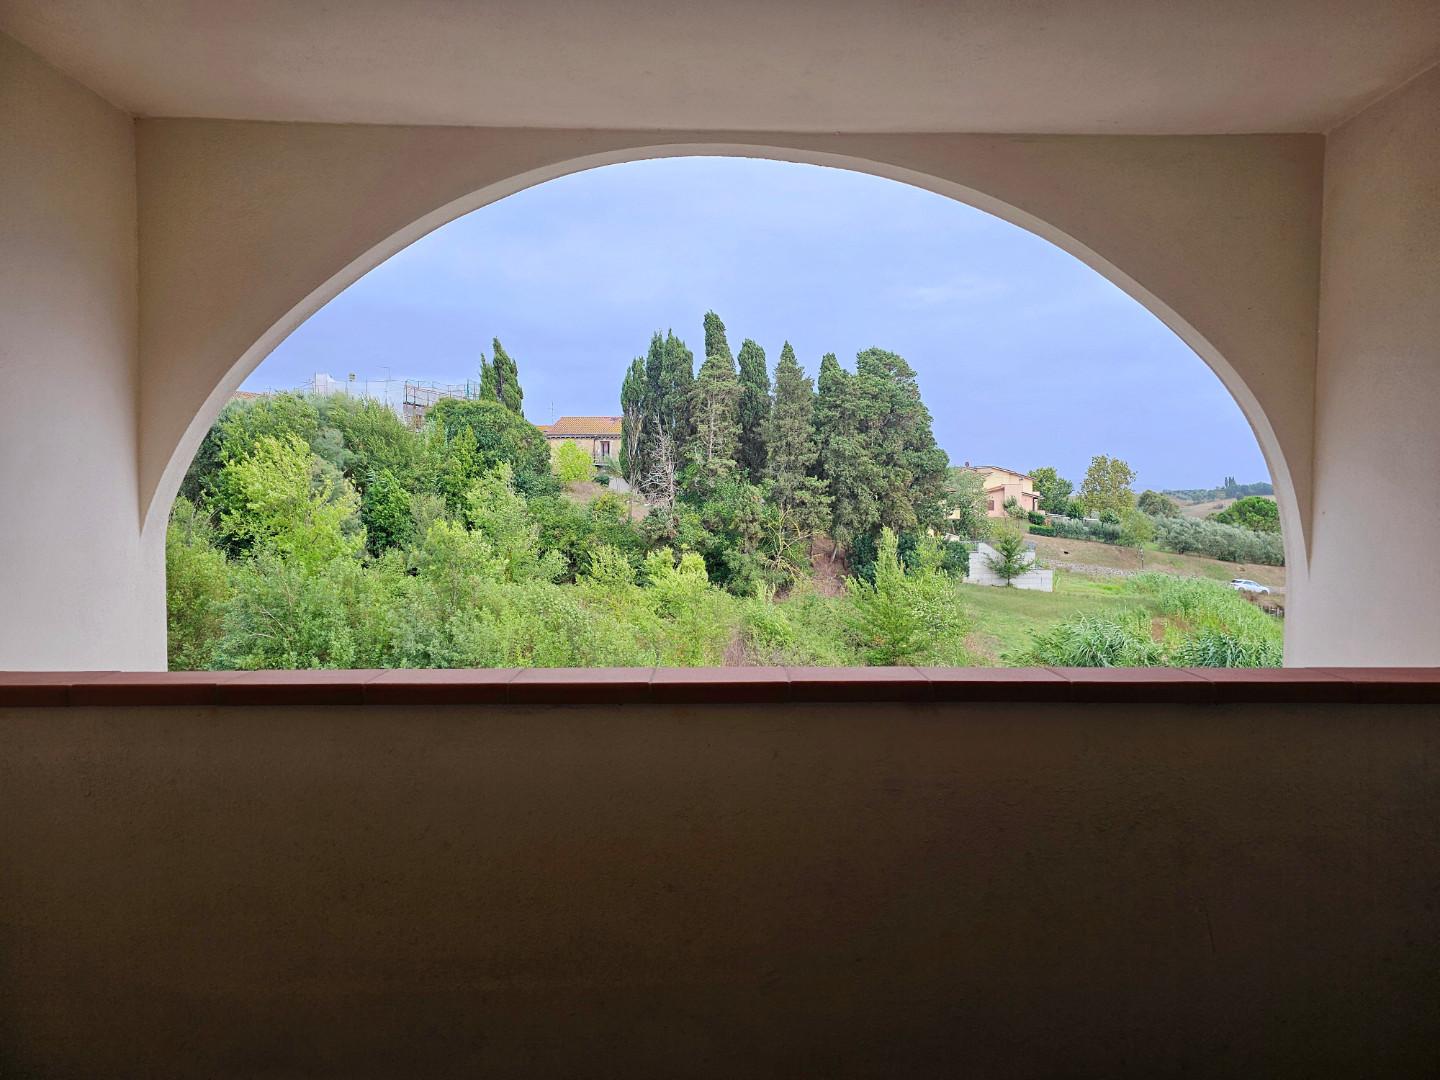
[(1036, 517), (1251, 512), (1217, 541), (1121, 640), (1086, 529), (1042, 530)]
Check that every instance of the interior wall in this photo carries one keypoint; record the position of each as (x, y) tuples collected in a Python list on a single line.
[(1373, 595), (79, 588), (720, 891)]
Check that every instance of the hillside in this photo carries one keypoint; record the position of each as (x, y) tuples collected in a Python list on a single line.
[(1078, 555)]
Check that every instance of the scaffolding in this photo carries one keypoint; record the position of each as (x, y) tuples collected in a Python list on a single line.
[(421, 397)]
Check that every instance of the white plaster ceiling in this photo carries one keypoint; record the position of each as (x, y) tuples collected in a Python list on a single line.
[(1082, 66)]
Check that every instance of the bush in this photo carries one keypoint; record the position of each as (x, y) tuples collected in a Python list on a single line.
[(1036, 517), (1042, 530), (1217, 541), (1121, 640), (1251, 512), (1086, 529), (571, 464)]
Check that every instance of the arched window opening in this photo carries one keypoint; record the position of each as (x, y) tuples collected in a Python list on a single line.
[(715, 412)]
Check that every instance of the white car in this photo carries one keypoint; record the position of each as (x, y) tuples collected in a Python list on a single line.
[(1241, 584)]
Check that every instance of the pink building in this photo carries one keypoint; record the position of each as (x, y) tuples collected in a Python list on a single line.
[(1001, 485)]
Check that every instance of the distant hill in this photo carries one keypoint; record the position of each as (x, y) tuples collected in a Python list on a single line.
[(1228, 490)]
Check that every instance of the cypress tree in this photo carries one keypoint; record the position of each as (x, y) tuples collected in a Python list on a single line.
[(716, 343), (488, 389), (669, 376), (790, 436), (714, 399), (909, 468), (634, 409), (506, 379), (755, 406)]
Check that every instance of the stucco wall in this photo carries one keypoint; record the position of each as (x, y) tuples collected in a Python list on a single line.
[(646, 891), (1373, 594), (77, 588)]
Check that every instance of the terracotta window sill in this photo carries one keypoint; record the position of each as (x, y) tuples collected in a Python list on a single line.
[(704, 686)]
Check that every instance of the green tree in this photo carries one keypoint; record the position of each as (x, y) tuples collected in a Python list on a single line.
[(196, 588), (1010, 560), (278, 500), (506, 375), (1136, 529), (1252, 512), (499, 513), (1054, 490), (968, 505), (633, 407), (755, 407), (1157, 504), (500, 436), (714, 400), (385, 513), (879, 454), (716, 343), (1107, 484), (669, 378), (790, 436), (907, 615), (571, 463)]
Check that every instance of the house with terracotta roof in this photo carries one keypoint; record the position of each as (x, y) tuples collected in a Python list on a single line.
[(1002, 485), (598, 436)]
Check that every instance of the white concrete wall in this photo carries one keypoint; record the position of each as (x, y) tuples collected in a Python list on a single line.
[(78, 588), (1373, 594)]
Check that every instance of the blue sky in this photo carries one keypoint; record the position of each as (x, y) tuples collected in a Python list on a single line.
[(1025, 356)]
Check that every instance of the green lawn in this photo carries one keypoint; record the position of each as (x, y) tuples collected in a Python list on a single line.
[(1004, 618)]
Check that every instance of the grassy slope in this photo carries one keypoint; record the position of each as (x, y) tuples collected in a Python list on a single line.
[(1054, 549), (1004, 618)]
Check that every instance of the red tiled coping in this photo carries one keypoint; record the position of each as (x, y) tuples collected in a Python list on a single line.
[(721, 686)]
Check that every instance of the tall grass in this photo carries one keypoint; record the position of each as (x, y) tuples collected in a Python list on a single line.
[(1202, 624)]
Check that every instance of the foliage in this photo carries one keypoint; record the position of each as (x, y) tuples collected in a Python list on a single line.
[(1120, 640), (492, 435), (1054, 490), (906, 617), (1035, 517), (755, 406), (792, 454), (715, 427), (196, 587), (669, 376), (1216, 541), (1203, 624), (1252, 512), (1010, 559), (1076, 528), (1136, 529), (1106, 486), (878, 453), (1157, 504), (385, 512), (965, 497), (1228, 490), (1012, 507), (633, 401), (571, 464), (500, 379), (1042, 530), (283, 500)]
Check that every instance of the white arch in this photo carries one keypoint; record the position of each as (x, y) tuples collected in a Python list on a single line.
[(1292, 496)]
